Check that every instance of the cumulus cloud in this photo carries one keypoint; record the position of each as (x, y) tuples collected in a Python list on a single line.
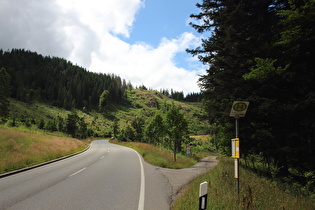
[(143, 64), (32, 25), (87, 33)]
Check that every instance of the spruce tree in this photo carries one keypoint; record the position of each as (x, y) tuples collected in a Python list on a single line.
[(241, 31), (4, 93), (261, 51)]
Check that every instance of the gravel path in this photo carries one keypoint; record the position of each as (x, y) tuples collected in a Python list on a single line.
[(178, 178)]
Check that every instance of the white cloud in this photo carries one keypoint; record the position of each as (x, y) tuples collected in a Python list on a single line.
[(87, 33), (32, 25), (142, 64), (101, 16)]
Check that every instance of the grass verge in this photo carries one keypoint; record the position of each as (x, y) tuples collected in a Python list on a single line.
[(20, 149), (255, 192), (159, 156)]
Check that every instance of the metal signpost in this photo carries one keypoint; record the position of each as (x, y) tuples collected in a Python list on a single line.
[(238, 110)]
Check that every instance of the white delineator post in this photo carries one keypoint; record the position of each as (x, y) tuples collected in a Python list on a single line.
[(203, 195)]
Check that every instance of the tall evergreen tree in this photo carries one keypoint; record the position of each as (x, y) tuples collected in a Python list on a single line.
[(241, 31), (4, 93), (72, 124), (261, 51), (103, 101)]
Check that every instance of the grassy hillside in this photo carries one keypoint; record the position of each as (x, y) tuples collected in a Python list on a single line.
[(145, 103), (142, 103), (20, 149)]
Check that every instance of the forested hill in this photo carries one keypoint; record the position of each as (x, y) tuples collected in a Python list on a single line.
[(57, 81)]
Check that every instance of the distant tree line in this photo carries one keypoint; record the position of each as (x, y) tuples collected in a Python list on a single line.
[(179, 95), (5, 90), (262, 51), (58, 82)]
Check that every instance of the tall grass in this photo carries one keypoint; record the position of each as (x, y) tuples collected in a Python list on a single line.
[(255, 192), (32, 130), (20, 149), (159, 156)]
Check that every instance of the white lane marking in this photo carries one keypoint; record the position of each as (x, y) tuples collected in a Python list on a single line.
[(142, 187), (102, 157), (142, 183), (75, 173)]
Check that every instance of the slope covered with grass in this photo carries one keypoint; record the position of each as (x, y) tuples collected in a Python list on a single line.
[(20, 149), (141, 103), (255, 192)]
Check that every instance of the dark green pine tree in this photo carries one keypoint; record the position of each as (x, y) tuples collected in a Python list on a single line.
[(294, 127), (72, 124), (261, 51), (297, 43), (241, 31), (290, 103), (4, 93)]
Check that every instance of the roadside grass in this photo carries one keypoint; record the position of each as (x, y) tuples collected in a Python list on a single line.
[(19, 149), (255, 192), (159, 156), (32, 130)]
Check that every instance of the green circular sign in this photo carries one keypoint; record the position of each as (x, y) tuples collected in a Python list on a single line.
[(239, 107)]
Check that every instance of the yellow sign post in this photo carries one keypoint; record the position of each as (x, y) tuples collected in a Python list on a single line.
[(235, 148), (238, 110)]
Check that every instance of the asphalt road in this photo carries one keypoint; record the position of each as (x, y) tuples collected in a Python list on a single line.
[(106, 176)]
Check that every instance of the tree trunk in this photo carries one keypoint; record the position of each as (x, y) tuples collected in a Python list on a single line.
[(175, 146)]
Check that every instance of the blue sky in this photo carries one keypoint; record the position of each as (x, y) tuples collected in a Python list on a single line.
[(164, 18), (143, 41)]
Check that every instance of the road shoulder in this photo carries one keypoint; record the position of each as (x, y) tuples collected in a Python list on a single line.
[(178, 178)]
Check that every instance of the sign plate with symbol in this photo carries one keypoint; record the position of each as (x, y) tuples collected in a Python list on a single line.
[(239, 108)]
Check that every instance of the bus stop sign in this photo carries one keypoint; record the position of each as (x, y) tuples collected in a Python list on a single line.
[(239, 108)]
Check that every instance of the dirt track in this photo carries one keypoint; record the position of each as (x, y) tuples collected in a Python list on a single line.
[(178, 178)]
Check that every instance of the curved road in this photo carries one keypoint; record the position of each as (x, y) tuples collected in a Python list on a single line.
[(107, 176)]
